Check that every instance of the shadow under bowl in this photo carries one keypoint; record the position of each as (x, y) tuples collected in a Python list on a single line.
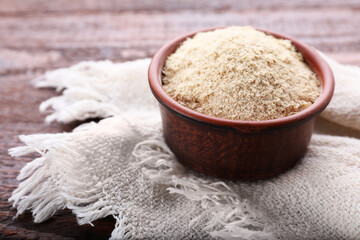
[(233, 149)]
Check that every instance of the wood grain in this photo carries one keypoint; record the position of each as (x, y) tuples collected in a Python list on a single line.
[(39, 35), (26, 6)]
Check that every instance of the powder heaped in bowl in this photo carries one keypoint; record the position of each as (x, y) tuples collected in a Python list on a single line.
[(240, 73)]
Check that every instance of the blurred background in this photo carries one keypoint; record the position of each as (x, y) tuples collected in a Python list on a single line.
[(42, 34), (39, 35)]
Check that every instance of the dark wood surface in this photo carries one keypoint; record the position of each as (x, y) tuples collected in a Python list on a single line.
[(39, 35)]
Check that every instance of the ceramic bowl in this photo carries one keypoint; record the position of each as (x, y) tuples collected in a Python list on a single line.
[(233, 149)]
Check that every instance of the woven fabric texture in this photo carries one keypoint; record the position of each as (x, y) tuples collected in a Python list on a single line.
[(122, 167)]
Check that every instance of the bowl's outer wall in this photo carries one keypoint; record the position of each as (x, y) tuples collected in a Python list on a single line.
[(231, 153)]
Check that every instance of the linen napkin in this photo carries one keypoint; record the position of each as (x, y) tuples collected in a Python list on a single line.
[(122, 167)]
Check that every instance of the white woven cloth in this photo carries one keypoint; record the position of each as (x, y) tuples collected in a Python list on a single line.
[(122, 167)]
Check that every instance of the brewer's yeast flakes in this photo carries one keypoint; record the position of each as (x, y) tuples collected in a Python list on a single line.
[(240, 73)]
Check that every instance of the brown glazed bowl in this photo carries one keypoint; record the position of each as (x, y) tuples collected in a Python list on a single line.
[(233, 149)]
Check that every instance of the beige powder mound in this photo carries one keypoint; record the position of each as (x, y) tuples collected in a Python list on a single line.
[(240, 73)]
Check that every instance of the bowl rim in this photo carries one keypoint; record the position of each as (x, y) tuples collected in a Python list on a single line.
[(313, 59)]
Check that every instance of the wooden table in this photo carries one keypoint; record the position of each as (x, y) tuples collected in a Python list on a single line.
[(38, 35)]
